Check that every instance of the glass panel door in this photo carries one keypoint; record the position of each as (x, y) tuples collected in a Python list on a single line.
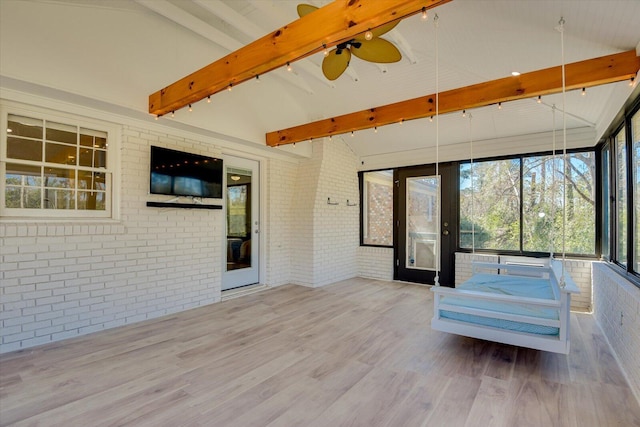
[(426, 218)]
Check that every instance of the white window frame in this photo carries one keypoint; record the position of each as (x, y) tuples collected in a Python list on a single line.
[(113, 132)]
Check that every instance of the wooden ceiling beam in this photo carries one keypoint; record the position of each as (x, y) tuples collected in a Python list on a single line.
[(326, 27), (592, 72)]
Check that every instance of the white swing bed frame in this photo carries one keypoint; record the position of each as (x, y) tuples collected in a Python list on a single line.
[(561, 303)]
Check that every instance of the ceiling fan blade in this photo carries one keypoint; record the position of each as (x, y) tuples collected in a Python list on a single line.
[(377, 32), (377, 50), (334, 64), (305, 9)]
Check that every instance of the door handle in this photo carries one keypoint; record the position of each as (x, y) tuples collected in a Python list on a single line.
[(445, 232)]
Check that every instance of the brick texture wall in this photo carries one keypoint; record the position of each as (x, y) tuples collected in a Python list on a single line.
[(617, 311), (325, 236), (279, 228), (375, 263), (60, 280)]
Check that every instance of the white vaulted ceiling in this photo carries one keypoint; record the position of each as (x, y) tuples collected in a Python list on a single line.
[(117, 52)]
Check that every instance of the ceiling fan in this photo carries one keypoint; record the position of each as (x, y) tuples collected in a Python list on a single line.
[(367, 46)]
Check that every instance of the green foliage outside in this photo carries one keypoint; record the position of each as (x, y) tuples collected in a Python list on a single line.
[(491, 197)]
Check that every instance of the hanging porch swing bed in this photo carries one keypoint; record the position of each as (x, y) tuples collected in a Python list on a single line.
[(525, 304)]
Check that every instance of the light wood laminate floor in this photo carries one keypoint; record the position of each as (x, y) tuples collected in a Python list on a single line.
[(357, 353)]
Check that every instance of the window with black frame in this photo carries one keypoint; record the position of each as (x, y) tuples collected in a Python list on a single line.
[(377, 208), (520, 204), (620, 222)]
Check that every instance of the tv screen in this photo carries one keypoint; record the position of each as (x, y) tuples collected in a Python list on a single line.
[(177, 173)]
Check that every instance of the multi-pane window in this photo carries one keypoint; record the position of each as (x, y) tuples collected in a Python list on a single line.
[(490, 205), (377, 208), (621, 197), (621, 194), (635, 146), (495, 195), (606, 203), (53, 168), (559, 214)]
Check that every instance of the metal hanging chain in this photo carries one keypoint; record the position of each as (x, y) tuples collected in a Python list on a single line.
[(560, 28), (436, 279), (552, 235), (472, 175)]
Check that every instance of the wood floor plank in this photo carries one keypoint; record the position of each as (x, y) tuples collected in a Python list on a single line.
[(456, 402), (502, 358), (491, 403), (421, 401), (537, 403), (358, 352), (371, 401)]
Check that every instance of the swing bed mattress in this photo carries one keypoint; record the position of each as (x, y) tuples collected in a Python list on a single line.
[(504, 285), (522, 306)]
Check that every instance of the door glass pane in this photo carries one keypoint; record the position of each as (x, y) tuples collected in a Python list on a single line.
[(423, 239), (238, 218)]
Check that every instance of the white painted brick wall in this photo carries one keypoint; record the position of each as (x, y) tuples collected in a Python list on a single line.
[(336, 227), (463, 264), (60, 280), (375, 262), (279, 229), (617, 311), (305, 188), (579, 270), (326, 237)]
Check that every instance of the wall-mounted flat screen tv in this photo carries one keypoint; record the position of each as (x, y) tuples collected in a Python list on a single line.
[(177, 173)]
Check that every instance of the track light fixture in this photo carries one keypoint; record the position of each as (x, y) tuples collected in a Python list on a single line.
[(209, 99), (190, 109), (464, 113), (230, 87), (632, 82), (584, 91), (539, 101), (352, 134), (499, 105), (424, 14), (173, 114), (289, 67)]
